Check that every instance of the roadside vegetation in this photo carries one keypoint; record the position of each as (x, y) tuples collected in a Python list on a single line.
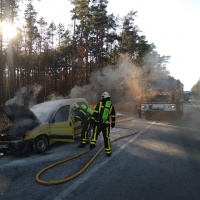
[(195, 91), (57, 59)]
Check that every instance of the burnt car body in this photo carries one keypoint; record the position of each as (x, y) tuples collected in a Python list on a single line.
[(40, 126)]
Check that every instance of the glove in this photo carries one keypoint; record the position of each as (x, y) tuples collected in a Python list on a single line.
[(112, 125)]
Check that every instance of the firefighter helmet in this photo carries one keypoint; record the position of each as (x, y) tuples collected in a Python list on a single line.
[(75, 106), (105, 95)]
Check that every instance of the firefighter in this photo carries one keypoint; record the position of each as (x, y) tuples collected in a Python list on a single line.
[(103, 118), (85, 118)]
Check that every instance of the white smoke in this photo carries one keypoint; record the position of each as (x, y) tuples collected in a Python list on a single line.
[(119, 80), (54, 96), (26, 96)]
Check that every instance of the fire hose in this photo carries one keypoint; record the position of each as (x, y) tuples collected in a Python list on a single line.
[(67, 179)]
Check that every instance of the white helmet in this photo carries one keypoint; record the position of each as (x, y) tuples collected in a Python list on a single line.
[(105, 95), (75, 106)]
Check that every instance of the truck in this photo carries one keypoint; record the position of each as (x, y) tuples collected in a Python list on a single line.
[(161, 95), (186, 96)]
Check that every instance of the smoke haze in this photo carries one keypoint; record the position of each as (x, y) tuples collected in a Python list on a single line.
[(26, 96), (121, 81)]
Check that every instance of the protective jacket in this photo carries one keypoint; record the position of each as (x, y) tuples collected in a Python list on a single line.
[(104, 112), (81, 115), (103, 117), (85, 118)]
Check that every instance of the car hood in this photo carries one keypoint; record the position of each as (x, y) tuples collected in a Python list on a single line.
[(16, 112), (43, 111), (23, 120)]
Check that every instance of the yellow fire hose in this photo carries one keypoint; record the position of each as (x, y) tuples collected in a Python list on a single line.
[(56, 182)]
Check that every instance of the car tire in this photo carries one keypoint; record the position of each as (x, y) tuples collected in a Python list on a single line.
[(40, 144)]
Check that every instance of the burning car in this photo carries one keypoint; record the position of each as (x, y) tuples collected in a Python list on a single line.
[(40, 126)]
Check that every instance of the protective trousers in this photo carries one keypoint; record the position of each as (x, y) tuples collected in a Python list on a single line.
[(85, 133), (105, 129)]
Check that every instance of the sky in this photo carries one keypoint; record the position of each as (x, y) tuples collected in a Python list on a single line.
[(172, 25)]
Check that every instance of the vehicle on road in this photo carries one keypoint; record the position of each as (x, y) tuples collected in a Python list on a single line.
[(161, 95), (186, 96), (40, 126)]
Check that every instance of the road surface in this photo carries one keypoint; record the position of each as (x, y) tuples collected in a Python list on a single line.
[(160, 162)]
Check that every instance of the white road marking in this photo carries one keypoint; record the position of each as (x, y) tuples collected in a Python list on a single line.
[(81, 180)]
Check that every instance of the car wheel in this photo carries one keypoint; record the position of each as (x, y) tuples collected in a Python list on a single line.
[(40, 144)]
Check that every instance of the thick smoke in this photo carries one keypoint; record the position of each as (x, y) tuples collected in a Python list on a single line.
[(121, 81), (16, 110), (26, 96), (54, 96), (22, 118)]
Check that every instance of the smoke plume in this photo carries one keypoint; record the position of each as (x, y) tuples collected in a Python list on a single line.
[(121, 81), (26, 96)]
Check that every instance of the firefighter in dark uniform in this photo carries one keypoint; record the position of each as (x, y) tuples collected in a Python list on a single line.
[(103, 118), (85, 118)]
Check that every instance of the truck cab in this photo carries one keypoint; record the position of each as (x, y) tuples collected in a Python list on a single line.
[(161, 95)]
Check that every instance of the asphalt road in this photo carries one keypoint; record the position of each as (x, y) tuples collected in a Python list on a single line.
[(160, 162)]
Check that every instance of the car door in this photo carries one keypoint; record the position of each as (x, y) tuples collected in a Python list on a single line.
[(61, 126), (77, 125)]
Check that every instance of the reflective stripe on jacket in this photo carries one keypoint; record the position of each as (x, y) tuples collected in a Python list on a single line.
[(103, 112)]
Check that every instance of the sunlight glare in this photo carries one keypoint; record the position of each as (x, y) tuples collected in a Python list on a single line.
[(8, 30)]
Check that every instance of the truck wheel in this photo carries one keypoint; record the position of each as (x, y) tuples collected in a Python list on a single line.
[(40, 144)]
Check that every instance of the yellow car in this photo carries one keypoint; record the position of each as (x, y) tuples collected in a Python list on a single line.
[(40, 126)]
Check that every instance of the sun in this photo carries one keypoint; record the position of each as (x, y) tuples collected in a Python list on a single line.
[(8, 30)]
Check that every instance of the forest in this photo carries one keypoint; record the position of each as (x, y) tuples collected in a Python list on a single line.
[(99, 52)]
